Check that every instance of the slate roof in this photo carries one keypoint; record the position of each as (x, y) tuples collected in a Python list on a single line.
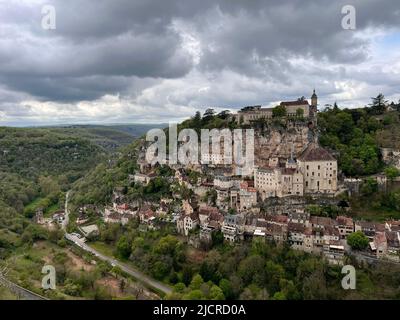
[(294, 103), (315, 153)]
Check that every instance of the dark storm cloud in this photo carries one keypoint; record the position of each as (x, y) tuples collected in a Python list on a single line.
[(117, 47), (288, 29)]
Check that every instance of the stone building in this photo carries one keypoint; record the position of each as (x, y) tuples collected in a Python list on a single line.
[(254, 113), (186, 223), (314, 172), (319, 169), (278, 182), (232, 228)]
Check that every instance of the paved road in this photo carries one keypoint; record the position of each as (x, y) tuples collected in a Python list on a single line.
[(372, 259), (129, 270), (66, 220)]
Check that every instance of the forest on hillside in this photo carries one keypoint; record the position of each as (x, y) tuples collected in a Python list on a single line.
[(37, 167)]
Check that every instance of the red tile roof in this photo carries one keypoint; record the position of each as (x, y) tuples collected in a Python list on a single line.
[(380, 238), (278, 218), (323, 221), (296, 227), (123, 206), (344, 221)]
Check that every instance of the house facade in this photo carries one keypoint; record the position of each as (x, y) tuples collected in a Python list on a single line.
[(319, 169)]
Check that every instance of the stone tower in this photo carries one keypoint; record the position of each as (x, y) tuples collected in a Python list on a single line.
[(314, 104), (314, 99)]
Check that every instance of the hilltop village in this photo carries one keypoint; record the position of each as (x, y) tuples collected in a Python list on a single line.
[(277, 201)]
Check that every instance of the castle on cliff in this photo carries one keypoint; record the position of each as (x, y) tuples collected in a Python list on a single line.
[(298, 108)]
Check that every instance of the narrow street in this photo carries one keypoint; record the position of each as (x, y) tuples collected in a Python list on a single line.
[(66, 220)]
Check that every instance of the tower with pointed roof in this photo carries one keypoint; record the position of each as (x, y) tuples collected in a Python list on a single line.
[(314, 100)]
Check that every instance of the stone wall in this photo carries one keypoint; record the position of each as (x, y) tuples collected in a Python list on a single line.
[(290, 204)]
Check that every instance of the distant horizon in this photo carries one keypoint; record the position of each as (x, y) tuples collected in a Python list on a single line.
[(166, 120), (83, 125), (158, 61)]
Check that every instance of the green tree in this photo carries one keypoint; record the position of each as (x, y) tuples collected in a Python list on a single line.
[(274, 273), (226, 288), (196, 121), (369, 187), (300, 113), (217, 238), (216, 293), (209, 114), (48, 185), (252, 269), (279, 111), (357, 240), (279, 296), (166, 245), (392, 173), (187, 274), (124, 247), (196, 283), (194, 295), (161, 269), (179, 287), (224, 114), (379, 104), (315, 287)]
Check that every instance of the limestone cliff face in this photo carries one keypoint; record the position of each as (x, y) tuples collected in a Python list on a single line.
[(279, 142)]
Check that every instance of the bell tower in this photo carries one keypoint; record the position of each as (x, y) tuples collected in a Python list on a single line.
[(314, 100)]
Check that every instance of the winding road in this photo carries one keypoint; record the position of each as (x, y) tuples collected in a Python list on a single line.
[(140, 276), (66, 220)]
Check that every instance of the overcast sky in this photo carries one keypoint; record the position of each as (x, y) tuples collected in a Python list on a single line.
[(148, 61)]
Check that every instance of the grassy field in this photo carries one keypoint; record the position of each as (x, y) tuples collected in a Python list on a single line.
[(34, 204), (50, 210), (103, 248)]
